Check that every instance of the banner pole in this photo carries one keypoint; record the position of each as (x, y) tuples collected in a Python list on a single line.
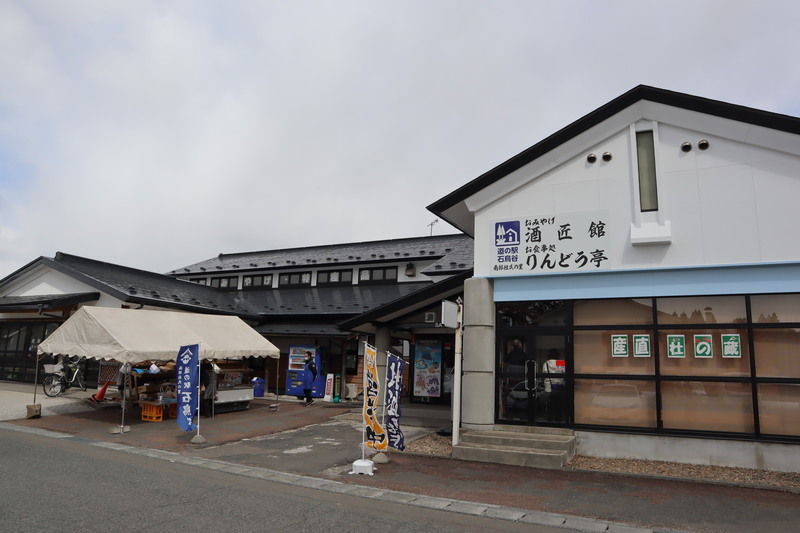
[(364, 403), (198, 439), (385, 389)]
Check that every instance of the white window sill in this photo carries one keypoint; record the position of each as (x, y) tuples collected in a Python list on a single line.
[(651, 233)]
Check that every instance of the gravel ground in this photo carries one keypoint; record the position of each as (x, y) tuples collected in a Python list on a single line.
[(440, 446)]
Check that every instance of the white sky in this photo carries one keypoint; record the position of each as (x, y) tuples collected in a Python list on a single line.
[(155, 134)]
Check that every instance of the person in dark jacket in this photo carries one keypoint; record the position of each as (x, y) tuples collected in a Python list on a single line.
[(309, 375)]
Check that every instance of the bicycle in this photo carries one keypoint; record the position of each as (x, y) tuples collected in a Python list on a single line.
[(58, 380)]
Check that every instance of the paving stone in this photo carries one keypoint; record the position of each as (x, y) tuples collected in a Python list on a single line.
[(542, 519), (504, 513), (467, 508), (585, 524), (433, 503)]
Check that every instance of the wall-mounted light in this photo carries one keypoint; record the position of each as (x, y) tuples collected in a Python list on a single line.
[(703, 144), (607, 156), (686, 147), (591, 158), (411, 271)]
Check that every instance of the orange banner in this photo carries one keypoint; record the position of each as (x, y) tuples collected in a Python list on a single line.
[(375, 436)]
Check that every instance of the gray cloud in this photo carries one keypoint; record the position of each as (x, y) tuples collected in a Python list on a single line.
[(155, 135)]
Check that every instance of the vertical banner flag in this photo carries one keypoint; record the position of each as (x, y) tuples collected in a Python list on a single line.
[(394, 386), (375, 436), (187, 374)]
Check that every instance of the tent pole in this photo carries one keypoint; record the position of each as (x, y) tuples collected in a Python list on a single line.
[(198, 439)]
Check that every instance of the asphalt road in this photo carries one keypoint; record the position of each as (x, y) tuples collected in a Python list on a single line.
[(68, 485)]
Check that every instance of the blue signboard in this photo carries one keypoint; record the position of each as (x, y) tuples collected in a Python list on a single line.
[(187, 377)]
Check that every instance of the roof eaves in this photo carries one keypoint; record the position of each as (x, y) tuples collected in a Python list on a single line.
[(396, 305), (717, 108)]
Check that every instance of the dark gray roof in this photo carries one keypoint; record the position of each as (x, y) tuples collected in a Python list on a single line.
[(147, 288), (458, 260), (410, 302), (411, 249), (45, 302), (344, 301), (302, 329)]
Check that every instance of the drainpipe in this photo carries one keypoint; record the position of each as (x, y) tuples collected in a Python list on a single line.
[(457, 374)]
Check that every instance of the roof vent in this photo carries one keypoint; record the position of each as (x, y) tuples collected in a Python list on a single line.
[(235, 266), (219, 267), (253, 265), (220, 256), (203, 269)]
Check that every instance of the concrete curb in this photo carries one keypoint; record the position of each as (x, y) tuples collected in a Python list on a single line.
[(569, 522), (687, 480)]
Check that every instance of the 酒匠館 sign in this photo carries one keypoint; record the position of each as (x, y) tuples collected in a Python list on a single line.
[(565, 242)]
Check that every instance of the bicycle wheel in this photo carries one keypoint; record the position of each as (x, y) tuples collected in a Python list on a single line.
[(81, 382), (52, 385)]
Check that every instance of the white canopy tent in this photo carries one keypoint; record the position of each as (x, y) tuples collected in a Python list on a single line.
[(136, 335)]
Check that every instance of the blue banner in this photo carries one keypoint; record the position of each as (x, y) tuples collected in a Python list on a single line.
[(394, 386), (187, 375)]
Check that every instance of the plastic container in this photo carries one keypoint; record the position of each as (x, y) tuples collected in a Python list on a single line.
[(258, 387)]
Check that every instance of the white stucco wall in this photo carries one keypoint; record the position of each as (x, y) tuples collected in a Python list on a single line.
[(45, 281), (734, 203)]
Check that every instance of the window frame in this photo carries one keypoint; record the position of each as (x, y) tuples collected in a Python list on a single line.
[(264, 283), (752, 380), (371, 272), (341, 281), (216, 282), (291, 275)]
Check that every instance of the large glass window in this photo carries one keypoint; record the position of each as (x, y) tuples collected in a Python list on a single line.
[(704, 352), (777, 352), (778, 405), (613, 352), (545, 313), (613, 312), (707, 406), (615, 402), (707, 363), (702, 310), (774, 308)]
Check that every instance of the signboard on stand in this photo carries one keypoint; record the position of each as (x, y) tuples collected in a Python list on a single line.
[(328, 389)]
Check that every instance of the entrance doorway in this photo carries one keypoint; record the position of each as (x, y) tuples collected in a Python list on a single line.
[(533, 382)]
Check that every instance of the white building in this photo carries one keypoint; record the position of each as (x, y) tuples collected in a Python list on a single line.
[(651, 302)]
